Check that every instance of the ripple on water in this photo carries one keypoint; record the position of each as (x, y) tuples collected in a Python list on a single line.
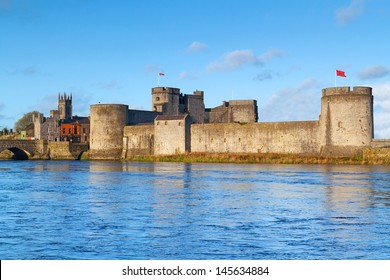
[(114, 210)]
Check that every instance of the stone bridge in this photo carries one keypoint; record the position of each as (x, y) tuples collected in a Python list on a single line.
[(41, 149)]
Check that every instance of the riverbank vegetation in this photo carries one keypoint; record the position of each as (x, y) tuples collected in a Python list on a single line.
[(258, 158), (367, 158)]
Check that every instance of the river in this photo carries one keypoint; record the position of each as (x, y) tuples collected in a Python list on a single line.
[(128, 210)]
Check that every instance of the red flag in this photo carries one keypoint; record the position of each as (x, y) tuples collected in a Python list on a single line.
[(161, 74), (340, 73)]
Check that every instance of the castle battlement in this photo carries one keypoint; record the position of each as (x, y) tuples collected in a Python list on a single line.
[(344, 128), (165, 90), (346, 90)]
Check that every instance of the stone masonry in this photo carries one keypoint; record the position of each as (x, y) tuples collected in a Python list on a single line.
[(344, 128)]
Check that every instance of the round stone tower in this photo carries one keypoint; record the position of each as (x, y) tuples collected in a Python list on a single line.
[(346, 121), (107, 126)]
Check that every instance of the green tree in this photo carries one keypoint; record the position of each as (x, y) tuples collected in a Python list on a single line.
[(5, 131), (24, 121)]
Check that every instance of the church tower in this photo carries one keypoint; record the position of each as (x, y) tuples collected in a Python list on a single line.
[(65, 106)]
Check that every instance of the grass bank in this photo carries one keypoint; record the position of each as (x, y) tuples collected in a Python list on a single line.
[(253, 158)]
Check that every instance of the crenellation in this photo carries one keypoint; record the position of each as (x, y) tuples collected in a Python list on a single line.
[(182, 124)]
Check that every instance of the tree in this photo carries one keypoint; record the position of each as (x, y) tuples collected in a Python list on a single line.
[(24, 121), (5, 131)]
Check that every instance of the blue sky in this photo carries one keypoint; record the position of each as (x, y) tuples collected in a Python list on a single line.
[(281, 53)]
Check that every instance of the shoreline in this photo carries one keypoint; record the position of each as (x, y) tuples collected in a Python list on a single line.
[(264, 158), (260, 159)]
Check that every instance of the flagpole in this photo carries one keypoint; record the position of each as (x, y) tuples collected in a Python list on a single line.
[(158, 79)]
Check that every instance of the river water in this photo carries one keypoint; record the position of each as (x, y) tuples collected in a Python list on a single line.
[(115, 210)]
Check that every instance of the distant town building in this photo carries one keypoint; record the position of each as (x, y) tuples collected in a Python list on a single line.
[(75, 130), (28, 133), (61, 125)]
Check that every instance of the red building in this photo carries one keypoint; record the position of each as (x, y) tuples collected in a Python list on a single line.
[(75, 130)]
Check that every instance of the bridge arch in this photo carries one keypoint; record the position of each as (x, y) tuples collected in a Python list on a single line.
[(19, 154)]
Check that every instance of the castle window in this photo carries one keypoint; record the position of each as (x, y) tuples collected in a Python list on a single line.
[(179, 123), (157, 98), (166, 123)]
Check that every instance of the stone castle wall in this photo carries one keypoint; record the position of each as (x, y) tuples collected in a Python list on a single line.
[(194, 105), (282, 137), (138, 140), (172, 135), (139, 116), (345, 128), (234, 111)]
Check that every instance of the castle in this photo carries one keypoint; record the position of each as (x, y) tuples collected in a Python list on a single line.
[(180, 123), (61, 125)]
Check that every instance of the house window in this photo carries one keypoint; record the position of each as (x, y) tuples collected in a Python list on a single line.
[(75, 130), (63, 131), (69, 131), (83, 129)]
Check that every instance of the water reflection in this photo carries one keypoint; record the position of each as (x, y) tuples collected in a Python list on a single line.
[(111, 210)]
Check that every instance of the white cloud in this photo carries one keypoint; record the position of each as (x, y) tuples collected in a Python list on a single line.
[(196, 47), (232, 60), (300, 103), (238, 58), (381, 94), (269, 55), (187, 76), (349, 13), (372, 72)]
